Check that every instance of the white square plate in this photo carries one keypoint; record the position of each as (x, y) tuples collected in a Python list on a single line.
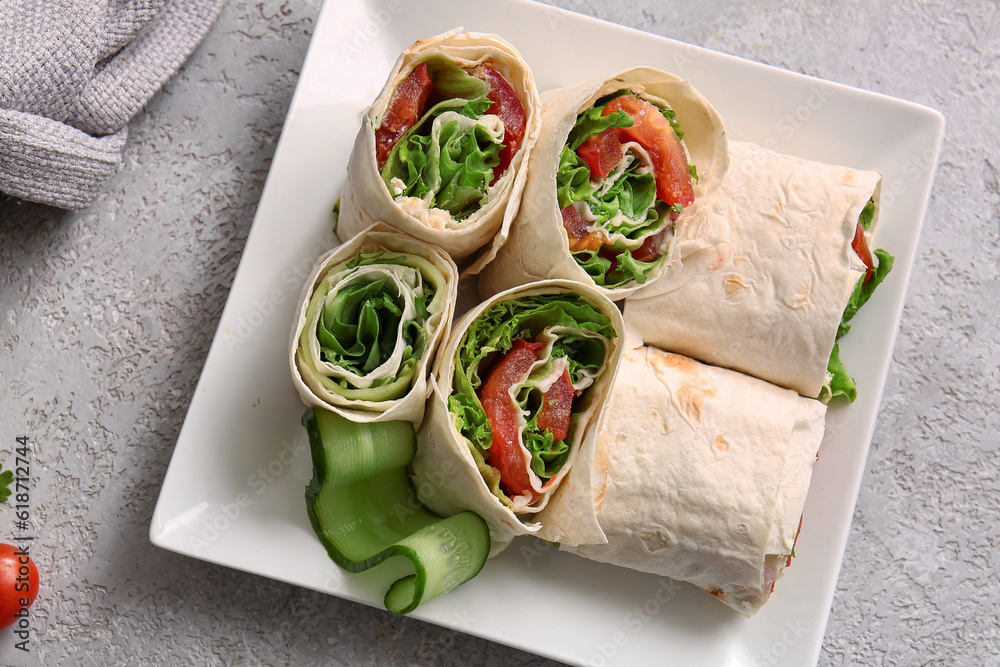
[(233, 494)]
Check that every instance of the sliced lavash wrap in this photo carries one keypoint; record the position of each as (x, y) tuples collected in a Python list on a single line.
[(707, 472), (371, 315), (538, 246), (770, 301), (366, 197), (449, 477)]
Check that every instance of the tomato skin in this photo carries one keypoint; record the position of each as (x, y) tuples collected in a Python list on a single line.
[(860, 246), (652, 131), (557, 405), (505, 451), (411, 99), (602, 152), (581, 237), (647, 252), (507, 106), (409, 102), (18, 583)]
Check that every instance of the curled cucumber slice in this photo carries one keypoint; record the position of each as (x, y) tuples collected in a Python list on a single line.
[(363, 509)]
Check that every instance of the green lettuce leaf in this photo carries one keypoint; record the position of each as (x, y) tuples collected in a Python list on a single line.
[(584, 353), (626, 267), (623, 204), (841, 383), (548, 455), (451, 81), (355, 326), (867, 215), (632, 194), (361, 325), (863, 290), (597, 267), (572, 179), (448, 157), (593, 121)]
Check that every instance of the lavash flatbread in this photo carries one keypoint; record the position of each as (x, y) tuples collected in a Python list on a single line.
[(309, 378), (769, 301), (445, 474), (366, 199), (707, 472), (538, 247)]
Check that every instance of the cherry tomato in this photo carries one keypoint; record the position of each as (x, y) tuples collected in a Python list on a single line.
[(18, 583)]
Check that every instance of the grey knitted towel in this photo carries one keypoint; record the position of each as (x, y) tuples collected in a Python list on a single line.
[(73, 73)]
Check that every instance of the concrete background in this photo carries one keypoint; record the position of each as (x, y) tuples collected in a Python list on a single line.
[(107, 315)]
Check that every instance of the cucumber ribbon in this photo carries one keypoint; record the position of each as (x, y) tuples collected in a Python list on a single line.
[(363, 509)]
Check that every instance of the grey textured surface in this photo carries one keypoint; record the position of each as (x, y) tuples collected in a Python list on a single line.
[(107, 315), (72, 76)]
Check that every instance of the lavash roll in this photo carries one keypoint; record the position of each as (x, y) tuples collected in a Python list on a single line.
[(446, 476), (538, 247), (366, 198), (706, 471), (419, 272), (770, 300)]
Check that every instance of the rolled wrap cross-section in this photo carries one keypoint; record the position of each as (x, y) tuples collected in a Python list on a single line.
[(615, 181), (707, 472), (371, 315), (517, 394), (770, 301), (442, 151)]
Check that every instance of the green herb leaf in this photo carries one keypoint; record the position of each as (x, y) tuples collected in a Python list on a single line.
[(6, 477)]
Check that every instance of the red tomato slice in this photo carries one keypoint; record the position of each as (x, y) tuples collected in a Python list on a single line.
[(647, 252), (602, 152), (611, 254), (652, 131), (505, 452), (860, 246), (507, 106), (557, 404), (409, 102), (581, 237)]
